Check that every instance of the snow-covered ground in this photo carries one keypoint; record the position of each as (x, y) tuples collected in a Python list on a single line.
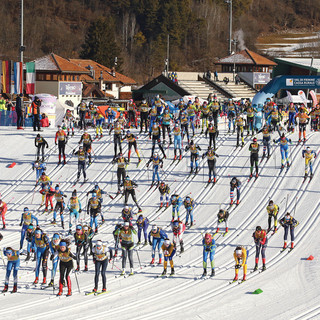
[(291, 284)]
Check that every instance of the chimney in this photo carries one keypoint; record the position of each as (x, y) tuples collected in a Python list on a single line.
[(92, 71), (101, 81)]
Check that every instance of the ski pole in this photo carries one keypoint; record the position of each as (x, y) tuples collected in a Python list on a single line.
[(287, 202), (75, 273), (116, 249), (138, 258), (295, 205)]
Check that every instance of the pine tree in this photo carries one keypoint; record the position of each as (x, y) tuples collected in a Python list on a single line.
[(100, 43)]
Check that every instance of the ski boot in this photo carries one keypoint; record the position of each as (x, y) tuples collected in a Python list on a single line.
[(180, 157), (44, 281), (264, 268), (122, 272), (28, 256), (175, 157), (164, 272), (104, 290), (161, 204), (244, 277), (209, 180), (5, 289), (53, 221), (69, 287), (78, 268), (204, 272), (181, 247), (50, 283), (85, 268), (231, 202), (14, 290), (36, 280), (257, 175), (62, 224), (237, 202), (284, 246), (152, 261), (255, 267), (172, 272), (213, 273), (160, 261), (235, 278), (214, 180), (131, 272), (145, 243), (140, 210)]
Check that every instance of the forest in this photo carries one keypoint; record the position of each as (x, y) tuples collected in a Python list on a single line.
[(136, 31)]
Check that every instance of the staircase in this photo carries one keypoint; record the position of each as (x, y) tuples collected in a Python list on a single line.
[(241, 90), (189, 82)]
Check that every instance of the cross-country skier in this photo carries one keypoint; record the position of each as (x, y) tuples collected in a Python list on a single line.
[(215, 108), (176, 202), (156, 138), (266, 140), (177, 142), (82, 155), (62, 139), (235, 183), (125, 234), (240, 256), (74, 206), (142, 224), (3, 210), (94, 208), (26, 219), (288, 222), (82, 110), (223, 216), (168, 252), (132, 113), (87, 141), (211, 158), (209, 249), (189, 206), (40, 143), (101, 256), (40, 168), (13, 257), (184, 120), (213, 134), (273, 211), (284, 147), (69, 121), (309, 155), (118, 131), (121, 171), (60, 205), (132, 142), (41, 243), (98, 119), (54, 246), (194, 149), (129, 187), (178, 228), (164, 190), (158, 236), (127, 215), (303, 121), (261, 242), (254, 156), (250, 111), (239, 123), (165, 123), (157, 162), (82, 243), (144, 110)]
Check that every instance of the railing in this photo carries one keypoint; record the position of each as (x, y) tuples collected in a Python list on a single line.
[(9, 118)]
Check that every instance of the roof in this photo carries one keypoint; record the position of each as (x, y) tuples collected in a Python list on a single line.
[(53, 62), (106, 72), (301, 62), (91, 89), (247, 57)]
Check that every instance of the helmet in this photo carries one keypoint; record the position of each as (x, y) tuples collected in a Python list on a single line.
[(74, 193), (270, 203), (154, 228), (234, 180), (94, 195), (221, 211), (79, 227), (26, 209), (188, 198), (30, 226), (120, 154), (56, 187), (308, 149), (38, 231), (140, 217), (189, 102), (255, 139), (238, 251), (176, 224), (258, 228), (208, 237), (55, 236), (155, 154), (162, 183), (126, 224), (96, 187), (167, 242), (181, 99), (144, 101), (43, 173), (131, 100), (176, 125), (287, 216), (127, 178), (128, 132), (126, 208), (282, 136), (191, 142)]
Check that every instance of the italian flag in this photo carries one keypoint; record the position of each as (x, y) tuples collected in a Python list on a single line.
[(30, 77)]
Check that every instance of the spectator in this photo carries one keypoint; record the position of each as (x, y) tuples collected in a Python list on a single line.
[(216, 75), (237, 79), (44, 121), (20, 111), (2, 103), (208, 75), (226, 80), (35, 109)]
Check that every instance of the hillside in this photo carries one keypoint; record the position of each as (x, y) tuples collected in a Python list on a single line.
[(136, 30)]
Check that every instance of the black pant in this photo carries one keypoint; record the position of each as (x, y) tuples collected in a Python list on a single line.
[(133, 195), (40, 147), (166, 127), (36, 122), (156, 139), (87, 150), (212, 139), (82, 167), (143, 120), (254, 159), (185, 129), (61, 147), (65, 269), (19, 119), (127, 250), (132, 117), (117, 142), (212, 167), (82, 115), (100, 267), (121, 174), (85, 252)]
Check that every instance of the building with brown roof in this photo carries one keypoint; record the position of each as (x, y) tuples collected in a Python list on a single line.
[(108, 80), (252, 68)]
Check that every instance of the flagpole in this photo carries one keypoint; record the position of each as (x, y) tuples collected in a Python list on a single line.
[(21, 34)]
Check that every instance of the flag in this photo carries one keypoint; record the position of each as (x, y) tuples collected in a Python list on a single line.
[(30, 77), (289, 96), (17, 77), (314, 97), (303, 97), (6, 76)]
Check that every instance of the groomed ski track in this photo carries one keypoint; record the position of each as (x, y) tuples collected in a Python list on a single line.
[(290, 285)]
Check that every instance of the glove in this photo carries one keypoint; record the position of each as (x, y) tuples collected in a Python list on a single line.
[(80, 210), (32, 250), (238, 266), (20, 224), (47, 147), (150, 243), (94, 260), (56, 143), (51, 257)]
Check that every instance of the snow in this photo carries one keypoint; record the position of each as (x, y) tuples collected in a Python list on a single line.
[(290, 285)]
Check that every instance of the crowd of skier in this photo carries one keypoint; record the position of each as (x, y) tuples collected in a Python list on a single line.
[(166, 128)]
